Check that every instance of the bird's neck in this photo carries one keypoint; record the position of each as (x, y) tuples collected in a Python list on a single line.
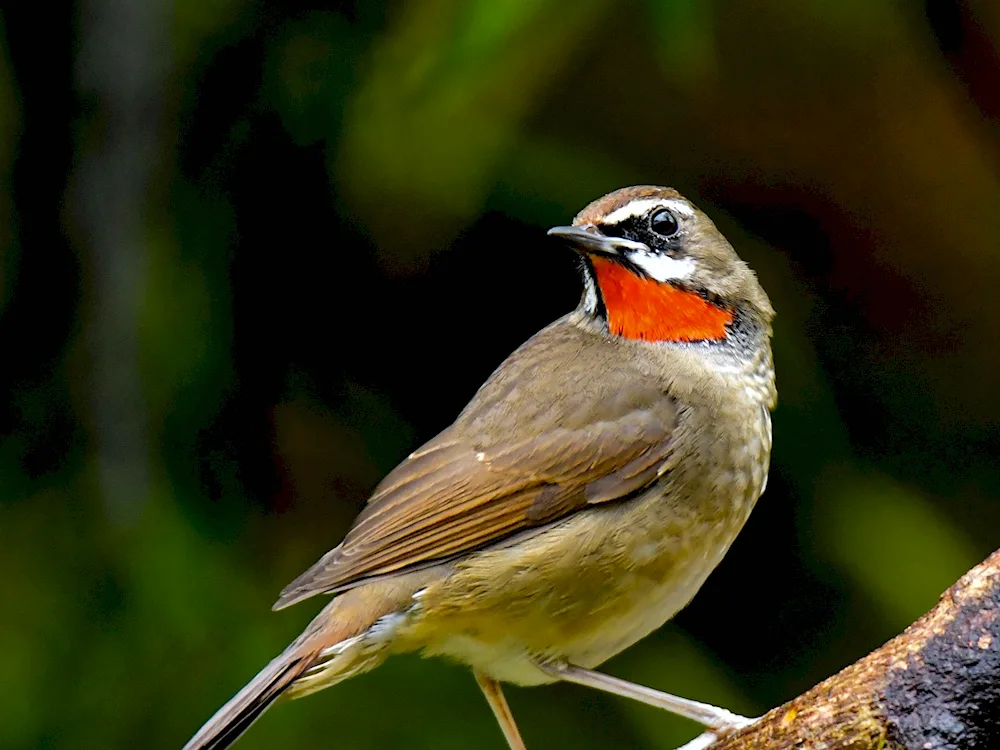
[(638, 307)]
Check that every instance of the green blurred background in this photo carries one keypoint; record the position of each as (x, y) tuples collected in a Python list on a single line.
[(252, 253)]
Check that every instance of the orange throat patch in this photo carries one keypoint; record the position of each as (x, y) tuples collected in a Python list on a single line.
[(643, 308)]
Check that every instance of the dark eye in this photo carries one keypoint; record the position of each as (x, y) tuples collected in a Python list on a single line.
[(663, 223)]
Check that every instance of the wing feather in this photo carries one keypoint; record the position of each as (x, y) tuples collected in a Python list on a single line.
[(455, 494)]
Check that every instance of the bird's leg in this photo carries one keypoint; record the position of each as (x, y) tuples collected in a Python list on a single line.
[(494, 696), (719, 720)]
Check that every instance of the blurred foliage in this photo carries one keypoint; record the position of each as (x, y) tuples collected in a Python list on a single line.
[(252, 253)]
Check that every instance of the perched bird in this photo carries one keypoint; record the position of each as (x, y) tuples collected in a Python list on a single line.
[(581, 498)]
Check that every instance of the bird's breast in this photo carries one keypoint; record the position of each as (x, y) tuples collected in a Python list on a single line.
[(585, 588)]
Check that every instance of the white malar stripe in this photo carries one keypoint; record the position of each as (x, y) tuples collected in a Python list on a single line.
[(663, 267), (643, 206), (590, 294)]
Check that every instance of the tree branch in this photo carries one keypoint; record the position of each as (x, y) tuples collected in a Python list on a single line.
[(934, 687)]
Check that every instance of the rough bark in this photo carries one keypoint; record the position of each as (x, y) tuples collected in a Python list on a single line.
[(935, 686)]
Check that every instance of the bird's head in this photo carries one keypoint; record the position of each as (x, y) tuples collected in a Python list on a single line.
[(658, 269)]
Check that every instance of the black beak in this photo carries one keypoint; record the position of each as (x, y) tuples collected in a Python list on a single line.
[(590, 241)]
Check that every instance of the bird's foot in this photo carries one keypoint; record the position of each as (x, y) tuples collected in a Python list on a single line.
[(706, 740)]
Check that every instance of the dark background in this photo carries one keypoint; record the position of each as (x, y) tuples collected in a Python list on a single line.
[(253, 253)]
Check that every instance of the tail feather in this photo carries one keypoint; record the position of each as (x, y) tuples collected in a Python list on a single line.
[(350, 635), (234, 718)]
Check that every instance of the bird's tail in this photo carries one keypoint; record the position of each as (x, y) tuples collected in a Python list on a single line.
[(243, 709), (339, 643)]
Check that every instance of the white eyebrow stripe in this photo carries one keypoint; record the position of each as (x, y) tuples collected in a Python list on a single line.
[(680, 207), (663, 267), (642, 206), (631, 210)]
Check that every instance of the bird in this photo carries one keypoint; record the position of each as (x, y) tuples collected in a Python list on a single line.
[(578, 501)]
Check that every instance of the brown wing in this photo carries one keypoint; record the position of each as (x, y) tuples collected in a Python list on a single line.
[(456, 494)]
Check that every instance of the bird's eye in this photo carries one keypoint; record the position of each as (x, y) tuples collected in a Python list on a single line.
[(663, 223)]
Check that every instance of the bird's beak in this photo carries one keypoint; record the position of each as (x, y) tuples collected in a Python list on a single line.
[(587, 239)]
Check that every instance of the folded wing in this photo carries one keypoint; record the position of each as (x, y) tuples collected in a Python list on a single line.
[(454, 495)]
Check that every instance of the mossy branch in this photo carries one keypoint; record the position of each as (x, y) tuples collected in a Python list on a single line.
[(934, 687)]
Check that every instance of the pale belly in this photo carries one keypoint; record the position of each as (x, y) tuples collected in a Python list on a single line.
[(580, 592), (513, 658), (586, 589)]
